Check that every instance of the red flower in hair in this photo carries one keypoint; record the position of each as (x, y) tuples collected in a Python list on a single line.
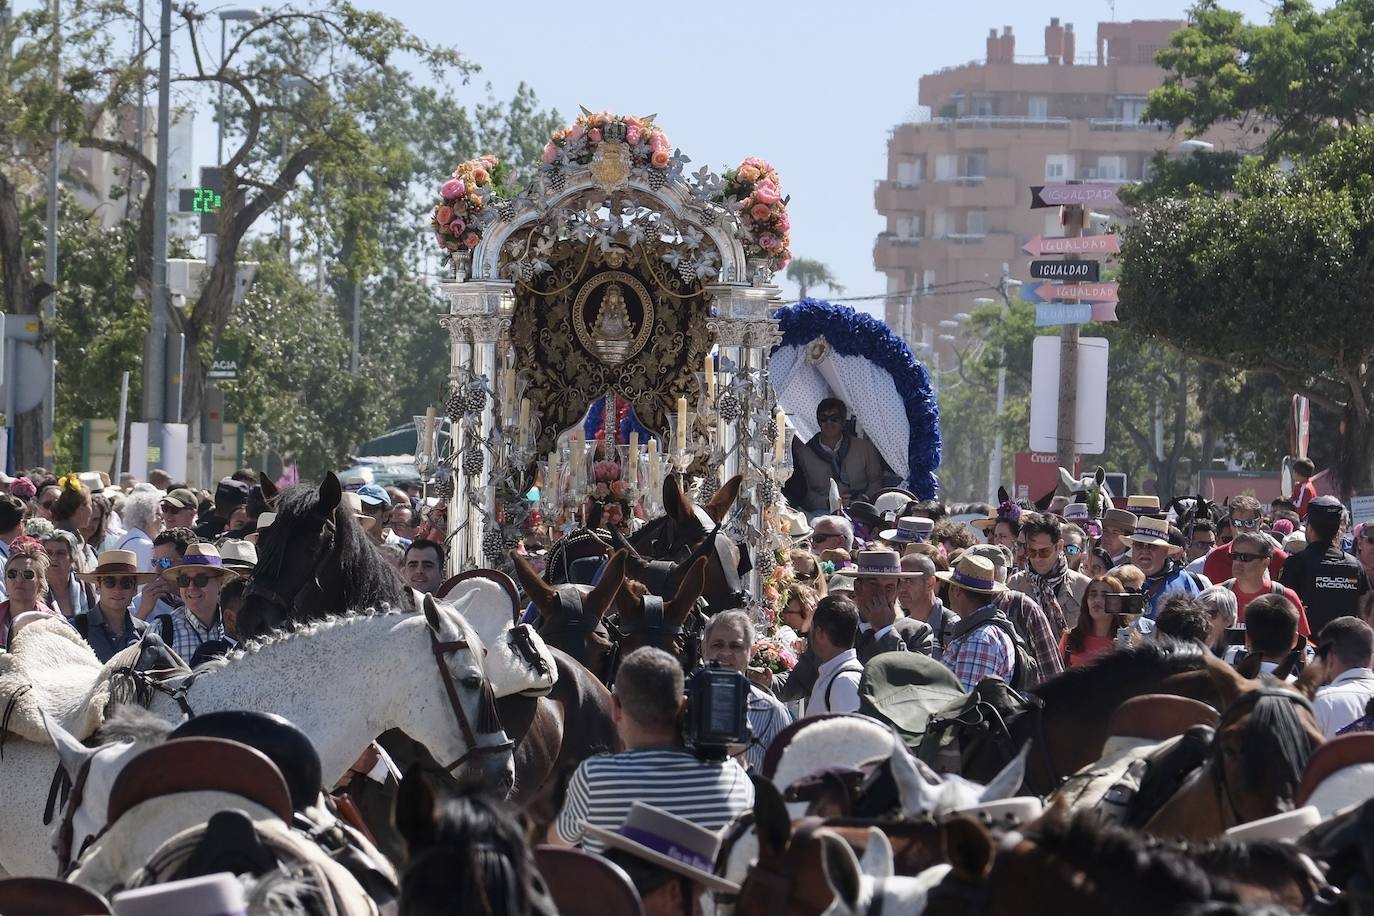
[(23, 541)]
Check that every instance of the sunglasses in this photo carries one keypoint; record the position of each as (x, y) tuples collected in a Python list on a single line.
[(16, 573), (162, 562), (1039, 553), (1072, 549), (118, 581), (1246, 523), (1237, 557), (831, 418), (198, 581)]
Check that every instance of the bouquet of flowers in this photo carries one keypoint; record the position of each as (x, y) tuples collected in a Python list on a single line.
[(772, 656), (608, 491), (757, 190), (777, 586), (462, 212), (648, 144)]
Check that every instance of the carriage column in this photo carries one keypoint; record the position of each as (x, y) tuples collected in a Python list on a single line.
[(478, 322)]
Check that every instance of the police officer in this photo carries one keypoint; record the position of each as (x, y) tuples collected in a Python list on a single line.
[(1327, 579)]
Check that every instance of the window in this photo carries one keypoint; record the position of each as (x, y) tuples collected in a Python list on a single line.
[(939, 226), (917, 224), (984, 106), (976, 223), (1058, 167), (903, 227), (1130, 107), (946, 167), (927, 280), (976, 165), (906, 173), (1039, 107), (1111, 168)]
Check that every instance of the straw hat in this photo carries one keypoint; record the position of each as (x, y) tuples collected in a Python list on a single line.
[(1151, 531), (201, 558), (116, 563), (667, 841), (910, 529), (879, 564), (239, 555), (354, 503), (1076, 512), (973, 574), (1141, 504), (1120, 518)]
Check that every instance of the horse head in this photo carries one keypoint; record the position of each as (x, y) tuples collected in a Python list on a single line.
[(314, 559), (92, 772), (571, 617), (677, 532), (645, 619)]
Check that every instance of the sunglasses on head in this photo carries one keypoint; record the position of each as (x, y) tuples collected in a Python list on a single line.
[(1237, 557), (16, 573), (118, 581), (1245, 523), (199, 581)]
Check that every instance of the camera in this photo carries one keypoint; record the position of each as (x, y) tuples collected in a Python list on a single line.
[(717, 720), (1125, 603)]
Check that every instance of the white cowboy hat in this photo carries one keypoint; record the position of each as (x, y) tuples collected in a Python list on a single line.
[(973, 574), (798, 528), (910, 529), (667, 841), (240, 555)]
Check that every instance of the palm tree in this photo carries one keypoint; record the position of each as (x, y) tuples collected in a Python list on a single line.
[(808, 272)]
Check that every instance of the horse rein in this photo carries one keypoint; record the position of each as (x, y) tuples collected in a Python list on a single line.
[(488, 721)]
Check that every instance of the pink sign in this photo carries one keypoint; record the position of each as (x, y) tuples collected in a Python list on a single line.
[(1088, 244), (1059, 195), (1093, 292), (1104, 311)]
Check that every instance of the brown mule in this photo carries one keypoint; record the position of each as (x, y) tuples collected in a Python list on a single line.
[(571, 617), (670, 624)]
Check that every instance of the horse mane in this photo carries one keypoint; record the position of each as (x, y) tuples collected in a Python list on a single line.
[(1160, 869), (365, 575), (129, 722), (302, 630), (1152, 659), (1252, 859), (1274, 737)]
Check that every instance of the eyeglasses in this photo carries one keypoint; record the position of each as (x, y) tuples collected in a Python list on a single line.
[(1237, 557), (831, 418), (198, 581), (118, 581), (1037, 553), (16, 573), (1245, 523), (1072, 549)]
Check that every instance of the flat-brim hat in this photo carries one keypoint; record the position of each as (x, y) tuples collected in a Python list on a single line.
[(1151, 531), (973, 574), (1076, 512), (910, 529), (798, 528), (240, 555), (200, 558), (668, 841), (892, 502), (1141, 504), (116, 563), (879, 564), (1120, 518)]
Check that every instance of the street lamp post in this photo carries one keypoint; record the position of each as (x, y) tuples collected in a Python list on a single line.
[(1005, 283), (233, 14)]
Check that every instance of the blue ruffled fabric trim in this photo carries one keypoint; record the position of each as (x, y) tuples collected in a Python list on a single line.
[(854, 333)]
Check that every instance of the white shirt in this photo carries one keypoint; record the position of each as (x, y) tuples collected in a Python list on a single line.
[(844, 669), (1343, 700), (137, 540)]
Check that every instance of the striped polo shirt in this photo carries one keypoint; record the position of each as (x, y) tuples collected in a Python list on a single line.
[(709, 794)]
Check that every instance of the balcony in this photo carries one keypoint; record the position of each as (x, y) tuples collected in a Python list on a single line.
[(993, 245), (1126, 124), (896, 196), (1002, 121), (894, 252), (988, 192)]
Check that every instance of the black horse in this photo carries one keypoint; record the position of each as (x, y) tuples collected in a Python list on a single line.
[(313, 560)]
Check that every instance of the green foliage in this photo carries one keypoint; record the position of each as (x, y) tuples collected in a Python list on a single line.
[(808, 273), (1305, 74)]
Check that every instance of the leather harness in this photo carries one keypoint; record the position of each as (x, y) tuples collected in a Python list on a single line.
[(1214, 761), (488, 720)]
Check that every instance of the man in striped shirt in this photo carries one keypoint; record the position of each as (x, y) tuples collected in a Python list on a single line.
[(655, 768)]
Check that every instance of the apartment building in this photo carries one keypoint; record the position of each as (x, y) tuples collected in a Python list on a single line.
[(957, 192), (105, 185)]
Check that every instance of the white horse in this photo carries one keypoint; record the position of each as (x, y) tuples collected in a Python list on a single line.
[(342, 681)]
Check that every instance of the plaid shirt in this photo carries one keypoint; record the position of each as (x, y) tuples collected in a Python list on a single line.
[(188, 633), (979, 653), (1029, 619)]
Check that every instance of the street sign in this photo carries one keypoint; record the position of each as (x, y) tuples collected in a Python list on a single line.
[(226, 363), (1090, 420), (1088, 244), (1094, 292), (1059, 195), (1037, 473), (1089, 271), (1048, 314)]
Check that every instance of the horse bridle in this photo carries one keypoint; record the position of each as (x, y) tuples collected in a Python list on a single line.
[(575, 625), (1214, 761), (283, 603), (488, 720)]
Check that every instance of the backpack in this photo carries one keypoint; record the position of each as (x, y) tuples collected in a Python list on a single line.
[(972, 735), (1026, 670)]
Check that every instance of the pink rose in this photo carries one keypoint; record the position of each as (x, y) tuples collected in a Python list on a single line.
[(633, 134), (783, 223), (550, 153), (453, 188), (489, 161), (767, 192), (456, 227), (769, 242), (756, 162), (659, 159), (601, 491), (748, 174), (617, 488), (760, 212), (576, 132), (632, 121), (471, 240), (614, 514), (443, 215), (594, 135), (659, 141)]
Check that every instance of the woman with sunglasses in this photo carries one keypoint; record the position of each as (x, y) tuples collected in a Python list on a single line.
[(25, 578), (111, 626)]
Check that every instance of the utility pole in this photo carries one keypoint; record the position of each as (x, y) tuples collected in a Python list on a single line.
[(1066, 432), (50, 262), (155, 354)]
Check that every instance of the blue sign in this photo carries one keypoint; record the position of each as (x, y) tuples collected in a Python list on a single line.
[(1028, 294), (1052, 313)]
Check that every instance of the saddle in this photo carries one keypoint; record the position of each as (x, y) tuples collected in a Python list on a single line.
[(1338, 773), (51, 668)]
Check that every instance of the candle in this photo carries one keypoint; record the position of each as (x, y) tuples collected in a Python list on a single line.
[(578, 453), (681, 425), (780, 439), (710, 379), (632, 463), (654, 480), (551, 483), (508, 393), (524, 421), (427, 447)]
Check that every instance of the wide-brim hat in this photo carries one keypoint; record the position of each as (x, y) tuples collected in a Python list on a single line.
[(239, 554), (798, 528), (1151, 531), (986, 524), (973, 574), (1120, 518), (200, 558), (879, 564), (354, 504), (891, 502), (1076, 512), (206, 895), (909, 530), (668, 841), (116, 563), (1140, 504)]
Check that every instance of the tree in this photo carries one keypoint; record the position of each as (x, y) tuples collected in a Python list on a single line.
[(808, 272), (1303, 79), (1275, 277)]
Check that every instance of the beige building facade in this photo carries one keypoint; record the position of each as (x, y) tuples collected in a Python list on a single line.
[(957, 197)]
